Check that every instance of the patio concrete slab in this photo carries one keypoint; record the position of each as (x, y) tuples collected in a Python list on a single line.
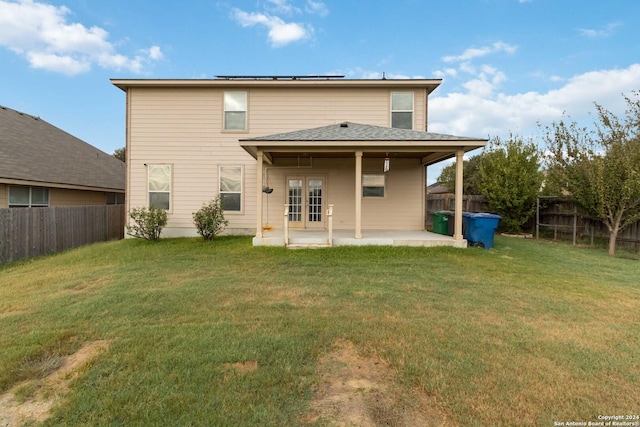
[(319, 238)]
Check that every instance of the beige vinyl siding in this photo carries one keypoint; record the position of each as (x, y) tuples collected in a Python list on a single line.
[(308, 108), (400, 209), (4, 196), (65, 197), (184, 127)]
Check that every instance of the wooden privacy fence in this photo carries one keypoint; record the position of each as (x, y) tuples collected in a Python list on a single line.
[(447, 202), (557, 217), (31, 232), (564, 219)]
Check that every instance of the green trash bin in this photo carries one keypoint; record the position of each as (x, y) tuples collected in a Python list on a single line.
[(440, 223)]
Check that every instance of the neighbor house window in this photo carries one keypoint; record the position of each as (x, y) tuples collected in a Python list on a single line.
[(231, 188), (115, 198), (373, 185), (28, 197), (159, 179), (402, 110), (235, 110)]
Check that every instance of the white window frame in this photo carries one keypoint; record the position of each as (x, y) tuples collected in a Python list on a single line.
[(398, 110), (170, 184), (30, 203), (227, 108), (366, 176), (240, 192)]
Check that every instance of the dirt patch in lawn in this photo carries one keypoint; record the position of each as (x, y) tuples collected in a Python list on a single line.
[(358, 391), (31, 401)]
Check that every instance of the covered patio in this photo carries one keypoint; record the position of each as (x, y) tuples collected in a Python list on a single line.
[(408, 152), (321, 238)]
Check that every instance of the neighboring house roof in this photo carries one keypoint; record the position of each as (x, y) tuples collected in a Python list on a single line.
[(35, 151), (437, 188), (430, 147)]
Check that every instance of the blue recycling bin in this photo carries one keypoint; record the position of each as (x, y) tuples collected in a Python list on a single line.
[(480, 228)]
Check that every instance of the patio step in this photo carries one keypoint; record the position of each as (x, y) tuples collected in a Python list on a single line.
[(307, 245)]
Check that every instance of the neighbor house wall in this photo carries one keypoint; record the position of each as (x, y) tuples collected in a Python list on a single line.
[(4, 196), (66, 197), (62, 197), (182, 127)]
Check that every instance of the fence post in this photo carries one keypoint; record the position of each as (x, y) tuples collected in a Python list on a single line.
[(537, 217), (575, 223)]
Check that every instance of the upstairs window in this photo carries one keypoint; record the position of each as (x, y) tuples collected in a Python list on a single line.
[(235, 110), (159, 181), (28, 197), (231, 188), (402, 110)]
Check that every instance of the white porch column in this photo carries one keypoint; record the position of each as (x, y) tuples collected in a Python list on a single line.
[(259, 185), (358, 195), (457, 233)]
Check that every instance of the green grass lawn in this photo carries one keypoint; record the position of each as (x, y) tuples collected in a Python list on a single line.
[(527, 333)]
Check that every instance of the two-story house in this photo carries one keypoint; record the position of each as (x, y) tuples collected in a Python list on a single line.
[(289, 154)]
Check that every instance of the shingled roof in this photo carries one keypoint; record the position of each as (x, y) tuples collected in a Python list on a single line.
[(33, 150), (348, 131)]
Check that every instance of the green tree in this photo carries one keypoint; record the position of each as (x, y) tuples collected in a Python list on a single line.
[(600, 168), (120, 154), (470, 170), (510, 179)]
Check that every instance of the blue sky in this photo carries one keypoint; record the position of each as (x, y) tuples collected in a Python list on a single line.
[(506, 65)]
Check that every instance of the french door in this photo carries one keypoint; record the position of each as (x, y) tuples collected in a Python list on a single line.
[(306, 198)]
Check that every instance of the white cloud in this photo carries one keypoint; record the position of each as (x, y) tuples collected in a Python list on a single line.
[(155, 53), (604, 32), (40, 32), (472, 113), (473, 53), (451, 72), (469, 113), (281, 6), (57, 63), (280, 32), (317, 7), (285, 7)]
